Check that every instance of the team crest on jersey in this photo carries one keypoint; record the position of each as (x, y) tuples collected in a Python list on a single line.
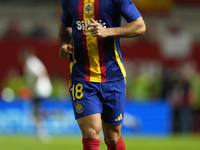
[(79, 107), (89, 8)]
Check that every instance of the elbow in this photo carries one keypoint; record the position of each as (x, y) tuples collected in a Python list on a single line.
[(141, 31), (140, 27)]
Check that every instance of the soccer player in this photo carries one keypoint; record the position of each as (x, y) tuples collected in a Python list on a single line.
[(38, 81), (97, 81)]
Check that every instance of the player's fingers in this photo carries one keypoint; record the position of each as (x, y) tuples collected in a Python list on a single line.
[(92, 20), (91, 25), (94, 34), (66, 48), (66, 51), (93, 29), (63, 55), (69, 46), (69, 52)]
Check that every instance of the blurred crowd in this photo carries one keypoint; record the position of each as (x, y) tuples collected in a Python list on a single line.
[(180, 86), (15, 29), (15, 86)]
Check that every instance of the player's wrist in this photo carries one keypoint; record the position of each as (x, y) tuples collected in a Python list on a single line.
[(108, 32), (62, 44)]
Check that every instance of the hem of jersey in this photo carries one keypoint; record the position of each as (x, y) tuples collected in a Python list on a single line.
[(107, 80), (135, 19)]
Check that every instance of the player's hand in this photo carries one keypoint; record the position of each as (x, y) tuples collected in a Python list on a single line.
[(65, 51), (96, 29)]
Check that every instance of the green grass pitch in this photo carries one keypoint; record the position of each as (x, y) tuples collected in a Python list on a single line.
[(74, 143)]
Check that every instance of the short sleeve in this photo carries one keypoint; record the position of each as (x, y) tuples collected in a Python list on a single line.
[(66, 18), (128, 10)]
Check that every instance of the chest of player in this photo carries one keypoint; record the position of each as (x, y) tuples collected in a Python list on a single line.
[(103, 9)]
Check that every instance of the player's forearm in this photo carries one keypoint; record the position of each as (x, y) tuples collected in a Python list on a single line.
[(129, 30), (65, 34)]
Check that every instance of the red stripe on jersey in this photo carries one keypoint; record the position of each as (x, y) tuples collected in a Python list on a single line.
[(100, 45), (84, 43)]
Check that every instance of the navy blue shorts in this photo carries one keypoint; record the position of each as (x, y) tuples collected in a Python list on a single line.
[(107, 98)]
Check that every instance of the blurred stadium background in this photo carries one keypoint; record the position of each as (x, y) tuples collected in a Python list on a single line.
[(163, 77)]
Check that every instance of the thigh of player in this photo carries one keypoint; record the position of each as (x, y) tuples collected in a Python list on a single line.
[(114, 98), (87, 107)]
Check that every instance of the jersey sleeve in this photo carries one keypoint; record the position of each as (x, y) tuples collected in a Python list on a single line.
[(66, 18), (128, 10)]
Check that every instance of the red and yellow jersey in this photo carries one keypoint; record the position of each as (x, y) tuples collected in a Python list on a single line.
[(96, 59)]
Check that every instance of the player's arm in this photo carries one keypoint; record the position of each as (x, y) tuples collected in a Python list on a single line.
[(132, 29), (64, 37)]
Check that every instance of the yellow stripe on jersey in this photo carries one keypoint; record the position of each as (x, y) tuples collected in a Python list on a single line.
[(119, 60), (74, 60), (92, 46)]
